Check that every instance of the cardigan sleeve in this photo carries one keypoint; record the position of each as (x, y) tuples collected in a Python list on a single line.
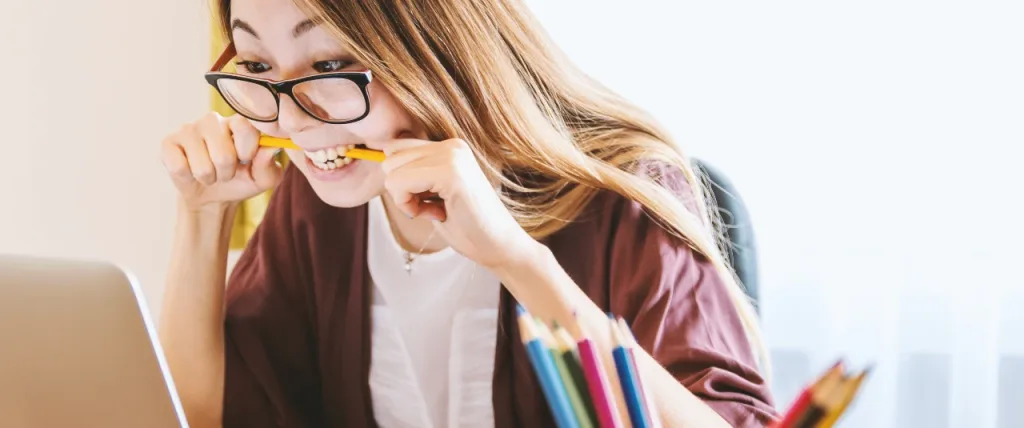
[(677, 305), (270, 350)]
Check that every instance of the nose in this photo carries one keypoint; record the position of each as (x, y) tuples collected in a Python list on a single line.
[(291, 118)]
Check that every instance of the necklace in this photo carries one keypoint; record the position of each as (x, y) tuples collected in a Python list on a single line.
[(409, 257)]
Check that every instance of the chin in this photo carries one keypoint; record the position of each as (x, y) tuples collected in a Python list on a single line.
[(354, 186), (343, 198)]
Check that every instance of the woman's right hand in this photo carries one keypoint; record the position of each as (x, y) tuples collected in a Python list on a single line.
[(217, 161)]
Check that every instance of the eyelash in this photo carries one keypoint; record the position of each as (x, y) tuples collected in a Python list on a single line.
[(338, 65), (255, 67), (249, 65)]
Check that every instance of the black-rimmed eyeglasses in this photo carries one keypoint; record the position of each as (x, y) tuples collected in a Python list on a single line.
[(335, 98)]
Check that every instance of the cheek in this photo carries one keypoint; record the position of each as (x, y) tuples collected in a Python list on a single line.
[(387, 118), (269, 128)]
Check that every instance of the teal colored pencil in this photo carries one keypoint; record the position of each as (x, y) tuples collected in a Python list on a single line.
[(547, 374)]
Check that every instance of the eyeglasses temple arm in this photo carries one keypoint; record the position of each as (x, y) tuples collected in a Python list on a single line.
[(222, 60)]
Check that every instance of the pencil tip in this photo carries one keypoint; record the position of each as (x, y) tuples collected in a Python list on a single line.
[(520, 311)]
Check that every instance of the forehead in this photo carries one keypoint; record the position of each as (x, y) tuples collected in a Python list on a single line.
[(269, 20)]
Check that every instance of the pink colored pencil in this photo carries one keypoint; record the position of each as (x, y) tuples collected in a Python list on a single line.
[(597, 383)]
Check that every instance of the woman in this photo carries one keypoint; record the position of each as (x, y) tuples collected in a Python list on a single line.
[(384, 294)]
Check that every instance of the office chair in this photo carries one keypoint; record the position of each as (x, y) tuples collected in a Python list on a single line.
[(738, 230)]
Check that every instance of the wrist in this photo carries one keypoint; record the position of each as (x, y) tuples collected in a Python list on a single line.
[(216, 212), (536, 280), (520, 258), (199, 227)]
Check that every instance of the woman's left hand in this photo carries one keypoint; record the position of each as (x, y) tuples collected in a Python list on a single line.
[(471, 216)]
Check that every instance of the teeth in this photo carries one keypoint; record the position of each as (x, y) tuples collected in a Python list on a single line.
[(332, 158)]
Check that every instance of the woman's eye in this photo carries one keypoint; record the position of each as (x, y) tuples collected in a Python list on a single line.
[(254, 67), (329, 66)]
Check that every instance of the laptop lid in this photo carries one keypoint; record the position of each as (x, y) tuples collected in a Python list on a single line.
[(78, 348)]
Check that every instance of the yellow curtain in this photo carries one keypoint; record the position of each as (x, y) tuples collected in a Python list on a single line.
[(250, 213)]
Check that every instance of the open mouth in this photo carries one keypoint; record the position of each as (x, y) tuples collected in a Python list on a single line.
[(332, 158)]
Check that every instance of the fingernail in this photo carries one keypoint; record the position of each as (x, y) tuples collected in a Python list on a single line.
[(243, 162)]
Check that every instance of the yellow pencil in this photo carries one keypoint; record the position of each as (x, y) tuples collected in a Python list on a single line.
[(844, 400), (284, 143)]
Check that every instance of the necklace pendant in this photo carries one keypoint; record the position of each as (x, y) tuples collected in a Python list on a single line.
[(408, 263)]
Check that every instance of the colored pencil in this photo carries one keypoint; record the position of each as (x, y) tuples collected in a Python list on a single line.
[(618, 396), (802, 404), (597, 383), (631, 345), (796, 410), (846, 397), (284, 143), (628, 378), (547, 374), (579, 409), (567, 348), (820, 395)]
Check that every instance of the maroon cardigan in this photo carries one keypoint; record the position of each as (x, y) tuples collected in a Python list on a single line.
[(298, 326)]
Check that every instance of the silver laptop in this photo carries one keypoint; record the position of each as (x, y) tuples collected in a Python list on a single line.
[(78, 349)]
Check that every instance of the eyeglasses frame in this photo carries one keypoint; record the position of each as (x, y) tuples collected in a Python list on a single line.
[(361, 78)]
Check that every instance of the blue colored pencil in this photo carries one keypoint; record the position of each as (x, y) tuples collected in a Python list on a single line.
[(631, 346), (629, 379), (548, 376)]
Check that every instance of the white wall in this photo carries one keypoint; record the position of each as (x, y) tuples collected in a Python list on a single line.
[(89, 90), (878, 144)]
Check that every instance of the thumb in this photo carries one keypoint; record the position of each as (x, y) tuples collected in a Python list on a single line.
[(266, 172)]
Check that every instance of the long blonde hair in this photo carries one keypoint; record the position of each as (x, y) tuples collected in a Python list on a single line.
[(485, 71)]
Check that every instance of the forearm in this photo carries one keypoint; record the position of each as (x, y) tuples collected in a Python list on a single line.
[(192, 314), (539, 283)]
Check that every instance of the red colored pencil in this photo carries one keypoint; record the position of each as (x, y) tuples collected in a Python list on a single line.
[(803, 402), (597, 383), (796, 411)]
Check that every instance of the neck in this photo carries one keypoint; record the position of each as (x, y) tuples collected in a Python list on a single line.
[(412, 234)]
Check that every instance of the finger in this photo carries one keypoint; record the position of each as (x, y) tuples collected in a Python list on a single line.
[(433, 210), (406, 203), (266, 172), (245, 136), (415, 188), (411, 151), (174, 160), (220, 146), (401, 144), (198, 156)]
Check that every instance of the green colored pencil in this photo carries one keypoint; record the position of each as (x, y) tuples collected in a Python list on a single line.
[(578, 406)]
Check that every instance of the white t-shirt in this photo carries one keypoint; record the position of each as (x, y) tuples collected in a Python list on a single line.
[(433, 334)]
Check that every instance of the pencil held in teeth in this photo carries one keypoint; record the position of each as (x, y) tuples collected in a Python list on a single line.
[(351, 151)]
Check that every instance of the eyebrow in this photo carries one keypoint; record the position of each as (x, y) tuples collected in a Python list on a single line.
[(303, 27), (300, 29)]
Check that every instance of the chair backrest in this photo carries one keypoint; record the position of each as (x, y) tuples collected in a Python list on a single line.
[(738, 230)]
